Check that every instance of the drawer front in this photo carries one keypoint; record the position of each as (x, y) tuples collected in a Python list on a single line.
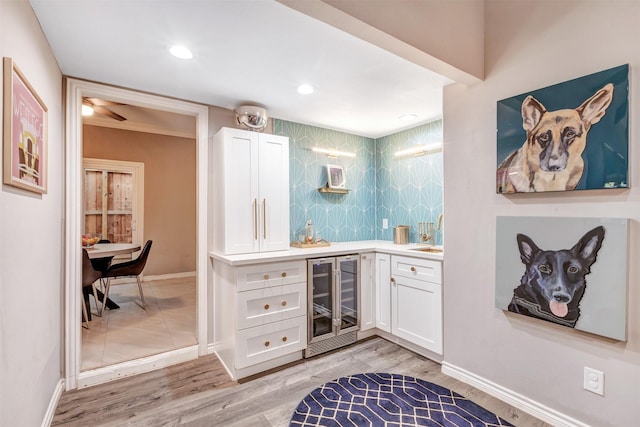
[(260, 276), (417, 268), (262, 306), (263, 343)]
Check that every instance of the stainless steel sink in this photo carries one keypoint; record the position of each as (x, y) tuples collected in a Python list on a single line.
[(428, 249)]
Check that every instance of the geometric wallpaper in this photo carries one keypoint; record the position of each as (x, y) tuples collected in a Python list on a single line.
[(405, 191), (409, 189)]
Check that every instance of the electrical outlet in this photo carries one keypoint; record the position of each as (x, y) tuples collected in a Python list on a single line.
[(385, 223), (594, 381)]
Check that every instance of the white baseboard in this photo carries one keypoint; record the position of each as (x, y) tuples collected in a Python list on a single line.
[(536, 409), (211, 348), (169, 276), (137, 366), (53, 404)]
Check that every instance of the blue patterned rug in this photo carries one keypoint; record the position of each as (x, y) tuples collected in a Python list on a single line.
[(389, 400)]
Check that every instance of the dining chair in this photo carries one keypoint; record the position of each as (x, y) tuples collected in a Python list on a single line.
[(89, 276), (102, 264), (131, 268)]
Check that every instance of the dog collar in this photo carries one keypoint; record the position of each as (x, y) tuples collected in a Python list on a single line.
[(537, 311)]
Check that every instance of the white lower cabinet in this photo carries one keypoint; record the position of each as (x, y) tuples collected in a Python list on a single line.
[(416, 301), (260, 315), (260, 310), (367, 291), (264, 343), (383, 292)]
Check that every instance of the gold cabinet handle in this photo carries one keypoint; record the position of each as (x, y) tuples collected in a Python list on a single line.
[(267, 343), (284, 339), (264, 219), (284, 274), (393, 280), (283, 303), (413, 269), (266, 306), (255, 219), (266, 277)]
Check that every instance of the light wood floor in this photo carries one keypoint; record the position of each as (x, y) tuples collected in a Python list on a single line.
[(199, 393), (130, 332)]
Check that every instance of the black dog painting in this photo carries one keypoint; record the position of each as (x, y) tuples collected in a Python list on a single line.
[(567, 277), (554, 281)]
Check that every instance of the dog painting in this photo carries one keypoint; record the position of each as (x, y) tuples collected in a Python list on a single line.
[(564, 271), (549, 156), (554, 281)]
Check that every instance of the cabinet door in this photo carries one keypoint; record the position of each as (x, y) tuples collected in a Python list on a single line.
[(321, 296), (383, 292), (240, 199), (348, 293), (273, 171), (367, 291), (417, 312)]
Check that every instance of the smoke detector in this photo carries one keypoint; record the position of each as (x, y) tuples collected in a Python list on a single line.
[(251, 117)]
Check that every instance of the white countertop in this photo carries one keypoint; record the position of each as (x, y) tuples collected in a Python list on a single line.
[(339, 248)]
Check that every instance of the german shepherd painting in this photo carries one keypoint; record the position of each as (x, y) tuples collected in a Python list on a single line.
[(554, 282), (551, 157)]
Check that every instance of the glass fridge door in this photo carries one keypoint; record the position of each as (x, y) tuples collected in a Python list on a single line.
[(321, 296), (348, 297)]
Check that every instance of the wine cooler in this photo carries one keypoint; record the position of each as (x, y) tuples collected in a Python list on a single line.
[(334, 293)]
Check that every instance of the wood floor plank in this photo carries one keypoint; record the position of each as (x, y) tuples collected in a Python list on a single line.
[(200, 393)]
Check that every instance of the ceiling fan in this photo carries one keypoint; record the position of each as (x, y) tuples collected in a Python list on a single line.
[(99, 106)]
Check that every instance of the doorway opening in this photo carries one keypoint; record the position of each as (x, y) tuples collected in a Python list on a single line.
[(76, 91)]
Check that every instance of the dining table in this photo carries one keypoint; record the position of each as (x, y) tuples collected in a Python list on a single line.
[(109, 250), (105, 250)]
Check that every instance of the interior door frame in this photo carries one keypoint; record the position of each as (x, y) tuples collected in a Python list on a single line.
[(74, 91)]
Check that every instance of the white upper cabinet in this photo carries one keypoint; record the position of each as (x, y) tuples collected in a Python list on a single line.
[(251, 192)]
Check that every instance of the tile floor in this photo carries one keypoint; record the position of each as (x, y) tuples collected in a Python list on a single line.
[(168, 323)]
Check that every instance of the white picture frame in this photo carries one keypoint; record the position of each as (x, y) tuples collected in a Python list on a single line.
[(335, 177)]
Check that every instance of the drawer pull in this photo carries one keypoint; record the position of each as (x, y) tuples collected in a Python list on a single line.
[(393, 280), (267, 343), (284, 339), (283, 303), (266, 277), (364, 257), (266, 306), (284, 274), (413, 269)]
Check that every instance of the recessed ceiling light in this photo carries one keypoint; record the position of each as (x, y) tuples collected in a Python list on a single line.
[(305, 89), (181, 52), (408, 117)]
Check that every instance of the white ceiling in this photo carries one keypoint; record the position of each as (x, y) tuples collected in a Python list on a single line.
[(245, 51)]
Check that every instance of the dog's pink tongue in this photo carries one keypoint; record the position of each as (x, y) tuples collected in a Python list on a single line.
[(558, 308)]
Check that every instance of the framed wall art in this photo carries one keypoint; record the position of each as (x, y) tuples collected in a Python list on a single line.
[(335, 177), (25, 132), (569, 136), (567, 271)]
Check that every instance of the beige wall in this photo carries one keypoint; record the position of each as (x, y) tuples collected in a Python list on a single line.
[(531, 45), (169, 190), (31, 243)]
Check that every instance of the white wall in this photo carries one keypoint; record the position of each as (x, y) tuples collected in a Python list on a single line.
[(31, 243), (530, 45)]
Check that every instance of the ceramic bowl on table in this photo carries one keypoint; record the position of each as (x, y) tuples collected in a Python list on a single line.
[(88, 240)]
